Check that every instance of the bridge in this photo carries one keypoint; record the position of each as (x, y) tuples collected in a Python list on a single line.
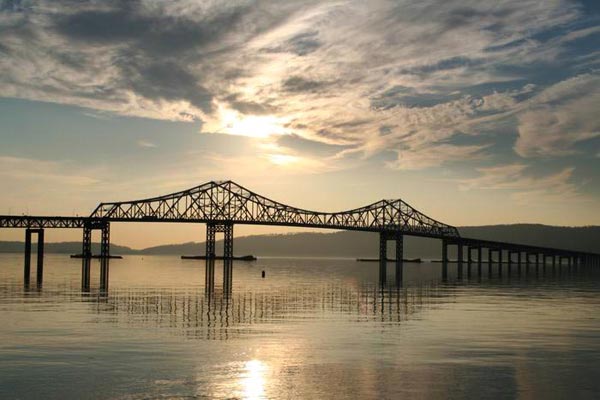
[(223, 204)]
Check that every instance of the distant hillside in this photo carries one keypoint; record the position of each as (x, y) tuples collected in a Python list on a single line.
[(63, 247), (357, 244)]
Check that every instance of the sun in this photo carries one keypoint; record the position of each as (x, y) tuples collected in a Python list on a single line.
[(257, 126)]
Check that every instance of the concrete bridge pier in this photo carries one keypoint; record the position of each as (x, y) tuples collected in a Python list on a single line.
[(490, 261), (40, 255)]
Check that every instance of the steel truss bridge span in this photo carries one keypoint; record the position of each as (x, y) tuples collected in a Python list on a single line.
[(226, 202), (222, 204)]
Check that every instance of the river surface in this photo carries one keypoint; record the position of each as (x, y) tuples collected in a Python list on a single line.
[(311, 329)]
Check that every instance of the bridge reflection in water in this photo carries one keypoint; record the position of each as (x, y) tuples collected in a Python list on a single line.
[(217, 312), (223, 315)]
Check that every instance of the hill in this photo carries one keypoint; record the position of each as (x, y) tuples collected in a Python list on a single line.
[(357, 244)]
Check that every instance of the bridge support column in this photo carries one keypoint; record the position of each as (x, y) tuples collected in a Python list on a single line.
[(444, 259), (105, 242), (85, 274), (86, 253), (490, 260), (399, 258), (27, 266), (104, 274), (211, 233), (469, 260), (86, 248), (382, 257), (227, 276), (209, 276), (519, 262), (40, 255), (210, 240), (500, 251), (228, 242), (479, 261), (86, 256), (460, 259), (228, 259), (537, 262)]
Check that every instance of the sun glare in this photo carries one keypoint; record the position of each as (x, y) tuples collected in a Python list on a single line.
[(257, 126), (254, 381)]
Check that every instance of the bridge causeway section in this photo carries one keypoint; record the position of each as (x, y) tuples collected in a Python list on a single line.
[(221, 205)]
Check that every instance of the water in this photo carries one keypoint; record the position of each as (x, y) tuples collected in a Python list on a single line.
[(311, 329)]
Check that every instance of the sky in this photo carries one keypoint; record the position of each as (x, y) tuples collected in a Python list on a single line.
[(474, 112)]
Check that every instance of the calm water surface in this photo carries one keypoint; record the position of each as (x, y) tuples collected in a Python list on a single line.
[(312, 329)]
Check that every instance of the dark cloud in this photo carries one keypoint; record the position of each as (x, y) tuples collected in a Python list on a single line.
[(298, 84), (248, 107), (443, 65), (300, 44), (408, 97), (153, 33), (165, 80)]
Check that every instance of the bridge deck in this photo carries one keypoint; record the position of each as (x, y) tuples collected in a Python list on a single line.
[(41, 222), (36, 222)]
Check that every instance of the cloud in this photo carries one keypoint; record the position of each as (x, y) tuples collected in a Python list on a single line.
[(300, 84), (146, 144), (433, 156), (434, 74), (525, 187), (560, 117)]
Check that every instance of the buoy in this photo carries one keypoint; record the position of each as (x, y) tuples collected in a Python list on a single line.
[(263, 274)]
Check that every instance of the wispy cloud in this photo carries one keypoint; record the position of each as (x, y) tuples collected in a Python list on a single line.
[(559, 117), (525, 187), (146, 144)]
